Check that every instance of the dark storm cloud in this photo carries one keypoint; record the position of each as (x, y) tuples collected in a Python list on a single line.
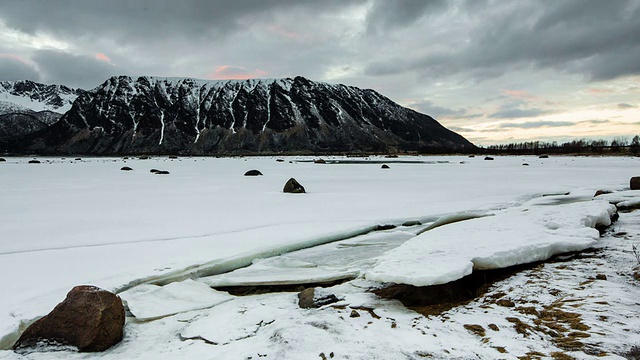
[(385, 15), (13, 68), (128, 21), (591, 37), (429, 108), (57, 67)]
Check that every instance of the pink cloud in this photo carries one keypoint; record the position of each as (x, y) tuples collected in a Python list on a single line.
[(16, 58), (599, 91), (227, 72), (103, 57)]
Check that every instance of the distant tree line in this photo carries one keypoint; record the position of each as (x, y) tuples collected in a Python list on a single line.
[(619, 145)]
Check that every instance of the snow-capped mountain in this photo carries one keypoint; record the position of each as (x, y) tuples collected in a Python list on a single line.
[(190, 116), (27, 106), (28, 96)]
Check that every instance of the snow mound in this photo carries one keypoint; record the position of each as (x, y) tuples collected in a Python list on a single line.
[(520, 235), (148, 302)]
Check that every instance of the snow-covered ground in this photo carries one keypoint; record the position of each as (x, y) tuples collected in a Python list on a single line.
[(67, 222)]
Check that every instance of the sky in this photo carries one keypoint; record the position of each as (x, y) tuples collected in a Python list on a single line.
[(494, 71)]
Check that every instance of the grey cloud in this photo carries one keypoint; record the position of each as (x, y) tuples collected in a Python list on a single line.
[(517, 113), (13, 69), (536, 124), (594, 122), (59, 67), (429, 108), (385, 15), (626, 106), (595, 38)]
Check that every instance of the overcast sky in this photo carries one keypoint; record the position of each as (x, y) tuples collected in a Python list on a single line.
[(494, 71)]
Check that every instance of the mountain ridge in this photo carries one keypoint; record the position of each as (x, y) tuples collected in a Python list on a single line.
[(151, 114)]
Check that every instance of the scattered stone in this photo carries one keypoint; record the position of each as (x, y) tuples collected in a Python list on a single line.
[(293, 186), (634, 183), (525, 164), (253, 173), (472, 156), (543, 156), (126, 168), (601, 277), (162, 172), (319, 161), (154, 171), (601, 192), (493, 327), (173, 157), (488, 158), (475, 329), (308, 299), (505, 303), (90, 318), (143, 157), (411, 223), (125, 158), (391, 156), (280, 160), (78, 159), (2, 159), (354, 314), (385, 166), (34, 162)]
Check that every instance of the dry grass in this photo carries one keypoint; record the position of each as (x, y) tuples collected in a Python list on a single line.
[(475, 329)]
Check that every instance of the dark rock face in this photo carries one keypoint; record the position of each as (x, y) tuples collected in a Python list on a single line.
[(293, 186), (634, 183), (308, 299), (90, 319), (189, 116), (253, 173)]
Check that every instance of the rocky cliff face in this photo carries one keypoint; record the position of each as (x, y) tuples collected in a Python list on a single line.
[(173, 115)]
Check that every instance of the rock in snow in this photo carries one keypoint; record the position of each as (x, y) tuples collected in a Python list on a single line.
[(292, 186), (634, 183), (190, 116), (253, 173), (310, 298), (90, 319)]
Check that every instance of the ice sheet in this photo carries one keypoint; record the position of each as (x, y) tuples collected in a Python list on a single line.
[(519, 235)]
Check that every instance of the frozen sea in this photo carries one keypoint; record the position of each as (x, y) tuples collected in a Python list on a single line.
[(67, 222)]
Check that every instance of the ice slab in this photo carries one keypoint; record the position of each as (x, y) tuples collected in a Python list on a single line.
[(515, 236), (147, 302)]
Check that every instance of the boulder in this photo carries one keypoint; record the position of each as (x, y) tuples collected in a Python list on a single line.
[(143, 157), (162, 172), (253, 173), (2, 159), (292, 186), (311, 299), (601, 192), (543, 157), (173, 157), (126, 168), (154, 171), (280, 160), (34, 162), (525, 164), (634, 183), (319, 161), (78, 159), (384, 166), (90, 318), (488, 158)]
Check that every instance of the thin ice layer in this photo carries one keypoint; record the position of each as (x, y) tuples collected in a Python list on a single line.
[(516, 236), (148, 302)]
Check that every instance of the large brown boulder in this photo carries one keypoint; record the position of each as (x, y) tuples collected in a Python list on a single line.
[(634, 183), (90, 318), (294, 187)]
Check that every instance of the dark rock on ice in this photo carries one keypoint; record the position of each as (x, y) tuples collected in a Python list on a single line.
[(601, 277), (543, 156), (525, 164), (310, 299), (2, 159), (253, 173), (154, 170), (293, 186), (601, 192), (34, 161), (634, 183), (280, 160), (384, 166), (162, 172), (488, 158), (319, 161), (354, 314), (90, 318), (126, 168)]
